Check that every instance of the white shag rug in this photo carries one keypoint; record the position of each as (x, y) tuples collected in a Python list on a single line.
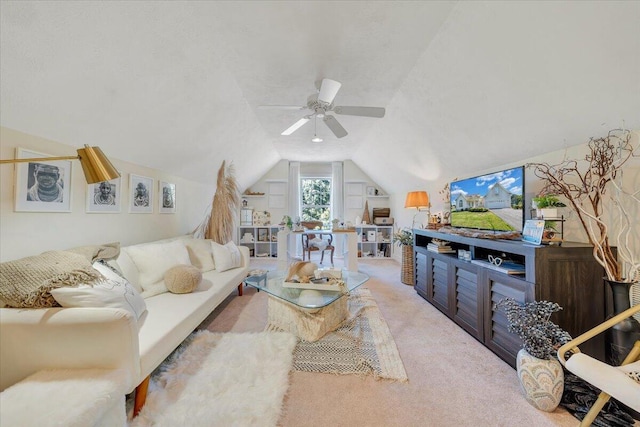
[(221, 379)]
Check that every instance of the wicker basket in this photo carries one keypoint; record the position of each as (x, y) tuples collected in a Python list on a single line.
[(407, 276)]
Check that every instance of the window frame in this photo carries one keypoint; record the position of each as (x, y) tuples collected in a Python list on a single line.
[(329, 194)]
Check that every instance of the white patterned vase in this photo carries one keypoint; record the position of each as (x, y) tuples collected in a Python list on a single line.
[(541, 381)]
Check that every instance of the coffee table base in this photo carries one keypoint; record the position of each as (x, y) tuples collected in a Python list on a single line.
[(310, 325)]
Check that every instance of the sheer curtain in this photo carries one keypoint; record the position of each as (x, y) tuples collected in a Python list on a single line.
[(337, 191), (294, 204), (337, 201)]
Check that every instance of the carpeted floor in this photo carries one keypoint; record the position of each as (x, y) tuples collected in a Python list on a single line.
[(453, 379)]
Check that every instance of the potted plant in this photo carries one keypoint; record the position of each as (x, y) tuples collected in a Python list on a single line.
[(546, 205), (404, 239), (539, 371), (594, 189)]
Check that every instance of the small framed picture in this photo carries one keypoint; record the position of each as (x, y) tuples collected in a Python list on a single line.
[(263, 234), (371, 191), (42, 186), (140, 194), (104, 197), (167, 197)]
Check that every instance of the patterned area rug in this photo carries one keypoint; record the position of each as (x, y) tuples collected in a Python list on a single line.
[(362, 345)]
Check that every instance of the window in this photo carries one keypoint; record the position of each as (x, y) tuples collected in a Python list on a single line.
[(316, 200)]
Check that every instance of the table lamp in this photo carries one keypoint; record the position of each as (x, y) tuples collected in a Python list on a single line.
[(418, 200)]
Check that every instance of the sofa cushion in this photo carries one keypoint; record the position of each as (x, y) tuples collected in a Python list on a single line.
[(154, 259), (182, 279), (226, 256), (200, 254), (127, 269), (103, 293), (112, 291)]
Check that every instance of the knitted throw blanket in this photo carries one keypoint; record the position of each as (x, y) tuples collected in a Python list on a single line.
[(27, 282)]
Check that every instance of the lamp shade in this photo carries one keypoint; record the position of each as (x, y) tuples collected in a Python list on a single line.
[(417, 199), (95, 165)]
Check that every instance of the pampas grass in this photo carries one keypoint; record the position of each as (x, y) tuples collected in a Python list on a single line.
[(218, 224)]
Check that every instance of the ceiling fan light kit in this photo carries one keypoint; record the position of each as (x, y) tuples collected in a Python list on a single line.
[(321, 104)]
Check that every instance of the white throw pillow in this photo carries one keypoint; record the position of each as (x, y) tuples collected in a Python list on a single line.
[(200, 254), (226, 256), (114, 291), (154, 259)]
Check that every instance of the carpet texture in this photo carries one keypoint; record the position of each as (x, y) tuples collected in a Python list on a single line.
[(213, 379), (362, 345)]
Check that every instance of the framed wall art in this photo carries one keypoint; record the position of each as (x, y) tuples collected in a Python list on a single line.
[(140, 194), (167, 197), (42, 186), (104, 197)]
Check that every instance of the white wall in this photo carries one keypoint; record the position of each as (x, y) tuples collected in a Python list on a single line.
[(30, 233)]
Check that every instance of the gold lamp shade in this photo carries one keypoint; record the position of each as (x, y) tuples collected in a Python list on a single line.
[(417, 199), (95, 165)]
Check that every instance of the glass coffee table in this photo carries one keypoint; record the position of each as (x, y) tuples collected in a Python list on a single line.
[(307, 313)]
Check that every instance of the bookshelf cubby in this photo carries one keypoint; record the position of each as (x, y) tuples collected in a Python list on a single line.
[(467, 291)]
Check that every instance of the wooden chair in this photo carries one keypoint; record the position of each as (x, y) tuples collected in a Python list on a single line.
[(309, 242), (614, 381)]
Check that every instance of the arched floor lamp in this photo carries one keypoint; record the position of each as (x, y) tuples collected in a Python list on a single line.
[(95, 165)]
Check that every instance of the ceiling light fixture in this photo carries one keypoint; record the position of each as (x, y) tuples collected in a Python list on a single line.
[(315, 128)]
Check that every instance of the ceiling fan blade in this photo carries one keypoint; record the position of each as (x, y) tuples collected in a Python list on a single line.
[(297, 125), (360, 111), (281, 107), (335, 126), (328, 90)]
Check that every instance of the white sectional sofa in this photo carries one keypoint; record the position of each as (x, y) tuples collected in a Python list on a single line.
[(37, 339)]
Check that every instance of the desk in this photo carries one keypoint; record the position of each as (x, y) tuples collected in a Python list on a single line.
[(287, 247)]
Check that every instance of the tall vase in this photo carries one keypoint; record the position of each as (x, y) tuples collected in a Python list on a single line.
[(541, 380), (620, 338), (408, 273)]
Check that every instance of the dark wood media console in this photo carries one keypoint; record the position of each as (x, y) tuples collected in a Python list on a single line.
[(466, 292)]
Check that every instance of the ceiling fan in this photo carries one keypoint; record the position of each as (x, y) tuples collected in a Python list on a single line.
[(322, 103)]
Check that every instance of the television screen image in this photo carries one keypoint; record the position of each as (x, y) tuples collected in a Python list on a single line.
[(489, 202)]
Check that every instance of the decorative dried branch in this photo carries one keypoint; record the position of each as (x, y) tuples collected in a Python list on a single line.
[(587, 190), (224, 206)]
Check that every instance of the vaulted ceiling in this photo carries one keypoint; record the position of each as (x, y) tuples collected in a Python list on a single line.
[(177, 85)]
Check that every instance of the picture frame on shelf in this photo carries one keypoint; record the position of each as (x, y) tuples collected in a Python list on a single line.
[(140, 194), (371, 191), (167, 197), (263, 235), (261, 218), (42, 185), (533, 230), (104, 197)]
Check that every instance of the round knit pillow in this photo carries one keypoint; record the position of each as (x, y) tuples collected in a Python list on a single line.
[(182, 279)]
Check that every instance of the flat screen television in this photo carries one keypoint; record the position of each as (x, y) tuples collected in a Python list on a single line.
[(489, 202)]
